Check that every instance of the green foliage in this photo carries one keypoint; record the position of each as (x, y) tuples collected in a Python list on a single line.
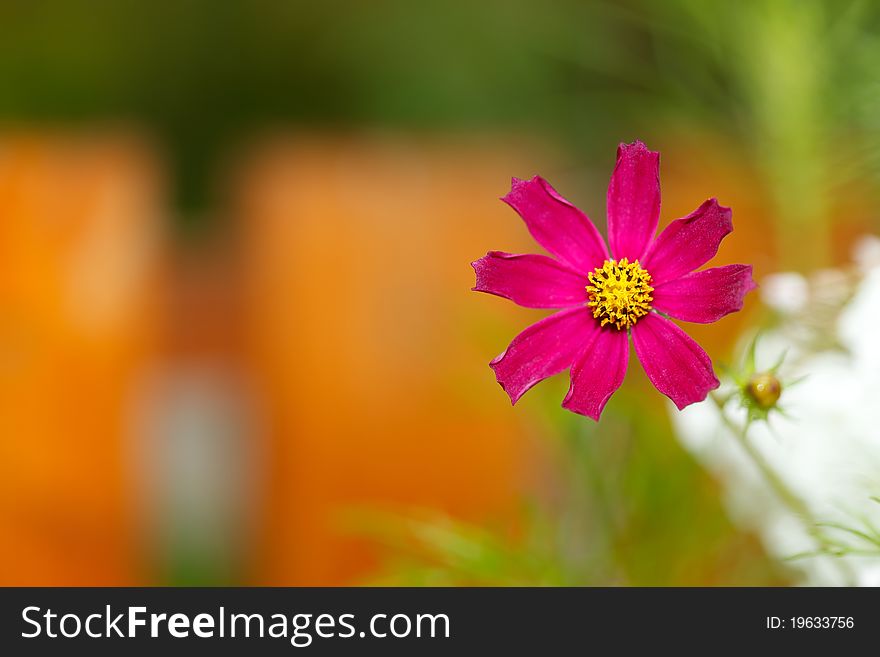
[(860, 539), (791, 79)]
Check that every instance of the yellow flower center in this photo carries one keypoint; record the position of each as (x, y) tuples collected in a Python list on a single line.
[(620, 292)]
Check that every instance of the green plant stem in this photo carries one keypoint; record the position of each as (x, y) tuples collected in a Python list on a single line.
[(786, 495)]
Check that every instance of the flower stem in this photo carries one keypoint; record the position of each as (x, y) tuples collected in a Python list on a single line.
[(783, 492)]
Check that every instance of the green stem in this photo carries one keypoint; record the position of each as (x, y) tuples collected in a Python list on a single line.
[(786, 495)]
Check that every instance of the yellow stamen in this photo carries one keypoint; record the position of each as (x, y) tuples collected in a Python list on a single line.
[(620, 293)]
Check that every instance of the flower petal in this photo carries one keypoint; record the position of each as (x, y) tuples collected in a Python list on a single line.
[(556, 224), (598, 372), (543, 349), (633, 200), (688, 243), (676, 365), (533, 281), (705, 296)]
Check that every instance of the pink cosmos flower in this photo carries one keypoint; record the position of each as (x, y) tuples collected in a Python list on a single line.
[(606, 295)]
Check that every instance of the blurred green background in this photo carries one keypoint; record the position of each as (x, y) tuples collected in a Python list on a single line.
[(794, 82)]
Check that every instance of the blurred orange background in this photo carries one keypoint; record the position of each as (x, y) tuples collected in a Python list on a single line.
[(321, 354)]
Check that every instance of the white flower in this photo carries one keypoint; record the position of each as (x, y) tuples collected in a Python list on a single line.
[(787, 293), (827, 449)]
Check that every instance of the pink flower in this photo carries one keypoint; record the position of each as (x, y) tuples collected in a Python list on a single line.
[(607, 295)]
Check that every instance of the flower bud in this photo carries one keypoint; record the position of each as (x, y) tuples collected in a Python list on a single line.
[(764, 389)]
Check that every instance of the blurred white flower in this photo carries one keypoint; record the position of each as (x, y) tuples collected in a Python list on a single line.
[(867, 253), (827, 447), (786, 293)]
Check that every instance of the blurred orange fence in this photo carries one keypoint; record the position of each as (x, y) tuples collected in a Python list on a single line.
[(80, 246), (335, 315)]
